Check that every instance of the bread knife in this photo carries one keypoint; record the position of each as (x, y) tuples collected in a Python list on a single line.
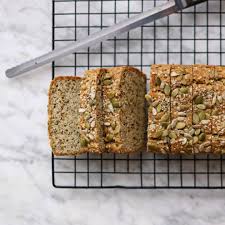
[(146, 17)]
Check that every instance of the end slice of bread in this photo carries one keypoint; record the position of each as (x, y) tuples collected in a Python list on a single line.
[(63, 115)]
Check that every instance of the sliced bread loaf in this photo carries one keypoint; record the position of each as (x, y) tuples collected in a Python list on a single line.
[(63, 115), (124, 109), (91, 117)]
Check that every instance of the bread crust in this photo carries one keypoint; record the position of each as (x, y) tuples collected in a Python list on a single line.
[(58, 152)]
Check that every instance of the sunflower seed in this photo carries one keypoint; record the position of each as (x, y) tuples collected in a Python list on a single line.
[(181, 113), (195, 139), (155, 103), (174, 123), (174, 74), (192, 131), (214, 100), (180, 119), (187, 136), (183, 141), (197, 132), (154, 111), (162, 85), (107, 124), (81, 110), (205, 122), (220, 99)]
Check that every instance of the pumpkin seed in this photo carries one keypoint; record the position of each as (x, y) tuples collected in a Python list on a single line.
[(158, 134), (202, 137), (167, 90), (195, 118), (198, 100), (175, 92), (165, 117), (202, 115), (165, 133), (157, 81), (215, 112), (113, 125), (159, 108), (112, 95), (201, 106), (115, 103), (184, 90), (109, 138), (83, 142), (183, 107), (153, 147), (180, 125), (197, 132), (172, 135), (164, 124), (107, 82)]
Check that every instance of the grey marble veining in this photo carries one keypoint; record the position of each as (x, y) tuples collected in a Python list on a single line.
[(26, 193)]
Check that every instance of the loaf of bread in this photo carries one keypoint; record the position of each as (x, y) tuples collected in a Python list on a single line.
[(63, 115), (186, 109), (124, 110)]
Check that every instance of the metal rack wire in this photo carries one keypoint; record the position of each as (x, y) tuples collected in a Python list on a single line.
[(196, 35)]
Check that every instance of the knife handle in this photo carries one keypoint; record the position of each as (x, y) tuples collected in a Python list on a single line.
[(181, 4)]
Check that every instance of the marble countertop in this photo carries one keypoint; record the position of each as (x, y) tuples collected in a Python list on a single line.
[(26, 192)]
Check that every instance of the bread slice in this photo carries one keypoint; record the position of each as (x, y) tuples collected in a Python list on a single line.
[(159, 109), (124, 91), (91, 116), (63, 115)]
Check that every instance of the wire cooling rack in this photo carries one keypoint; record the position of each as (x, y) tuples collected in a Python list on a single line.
[(196, 35)]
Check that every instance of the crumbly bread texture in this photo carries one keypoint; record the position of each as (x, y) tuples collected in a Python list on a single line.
[(91, 112), (124, 89), (63, 115), (195, 122)]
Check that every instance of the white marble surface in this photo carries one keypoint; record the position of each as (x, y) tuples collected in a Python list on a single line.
[(26, 193)]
